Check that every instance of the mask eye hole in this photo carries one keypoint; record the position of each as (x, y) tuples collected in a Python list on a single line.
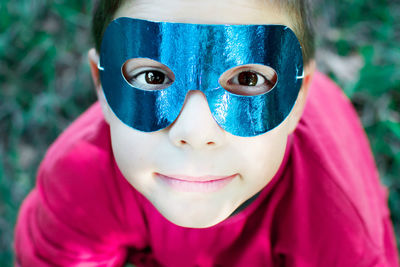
[(249, 80), (147, 74)]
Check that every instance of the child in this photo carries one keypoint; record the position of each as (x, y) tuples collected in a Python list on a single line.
[(203, 151)]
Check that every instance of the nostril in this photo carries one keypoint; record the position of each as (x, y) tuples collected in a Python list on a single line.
[(183, 142)]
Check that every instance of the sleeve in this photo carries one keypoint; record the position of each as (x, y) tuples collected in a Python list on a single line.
[(76, 215), (331, 237)]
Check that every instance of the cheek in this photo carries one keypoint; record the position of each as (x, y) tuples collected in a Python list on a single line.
[(132, 149), (264, 154), (273, 156)]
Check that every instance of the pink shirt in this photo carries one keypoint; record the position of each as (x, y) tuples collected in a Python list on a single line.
[(324, 207)]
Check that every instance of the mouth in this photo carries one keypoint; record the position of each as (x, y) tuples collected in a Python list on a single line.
[(204, 184)]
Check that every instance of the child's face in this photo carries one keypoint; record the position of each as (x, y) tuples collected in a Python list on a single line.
[(194, 172)]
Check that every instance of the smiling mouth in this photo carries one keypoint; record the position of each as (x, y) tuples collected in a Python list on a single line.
[(203, 184)]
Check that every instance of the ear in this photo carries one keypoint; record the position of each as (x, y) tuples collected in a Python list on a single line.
[(93, 62), (298, 108)]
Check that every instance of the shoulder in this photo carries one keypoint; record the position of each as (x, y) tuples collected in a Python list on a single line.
[(335, 184), (77, 156), (82, 211), (335, 142), (334, 139), (79, 180), (88, 129)]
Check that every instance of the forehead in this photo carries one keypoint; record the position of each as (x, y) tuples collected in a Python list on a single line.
[(205, 11)]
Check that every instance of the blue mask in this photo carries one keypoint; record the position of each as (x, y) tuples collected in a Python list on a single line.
[(198, 55)]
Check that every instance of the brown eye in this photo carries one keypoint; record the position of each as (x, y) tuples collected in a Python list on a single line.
[(248, 78), (154, 77), (147, 74)]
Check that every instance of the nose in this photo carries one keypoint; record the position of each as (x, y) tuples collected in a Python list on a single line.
[(195, 126)]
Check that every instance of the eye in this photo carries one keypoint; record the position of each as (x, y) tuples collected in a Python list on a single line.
[(147, 74), (248, 78), (150, 77), (251, 79)]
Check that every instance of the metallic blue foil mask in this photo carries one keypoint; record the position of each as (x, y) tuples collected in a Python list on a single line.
[(198, 55)]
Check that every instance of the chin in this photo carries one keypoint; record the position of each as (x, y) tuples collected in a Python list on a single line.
[(198, 222), (196, 218)]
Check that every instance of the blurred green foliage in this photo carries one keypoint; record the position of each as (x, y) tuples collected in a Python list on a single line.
[(45, 83), (370, 29)]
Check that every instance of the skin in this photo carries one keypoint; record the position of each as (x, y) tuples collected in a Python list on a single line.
[(199, 147)]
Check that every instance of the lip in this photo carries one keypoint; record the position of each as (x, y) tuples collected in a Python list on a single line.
[(205, 184)]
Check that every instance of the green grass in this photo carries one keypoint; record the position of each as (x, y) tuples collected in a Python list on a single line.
[(45, 83)]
